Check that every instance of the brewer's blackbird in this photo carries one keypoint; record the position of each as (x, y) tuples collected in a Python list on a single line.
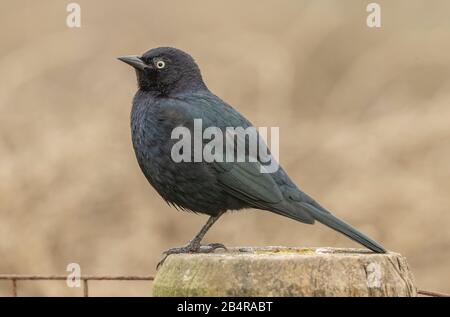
[(171, 93)]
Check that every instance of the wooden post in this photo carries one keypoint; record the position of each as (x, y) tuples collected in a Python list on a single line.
[(281, 271)]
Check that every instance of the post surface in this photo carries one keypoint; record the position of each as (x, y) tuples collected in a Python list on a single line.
[(281, 271)]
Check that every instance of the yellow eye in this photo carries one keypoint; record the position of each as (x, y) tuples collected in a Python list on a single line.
[(160, 64)]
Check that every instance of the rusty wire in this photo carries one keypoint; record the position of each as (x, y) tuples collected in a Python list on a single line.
[(86, 278), (432, 293)]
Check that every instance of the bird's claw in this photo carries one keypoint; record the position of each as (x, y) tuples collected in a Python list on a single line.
[(212, 247), (191, 248), (185, 249)]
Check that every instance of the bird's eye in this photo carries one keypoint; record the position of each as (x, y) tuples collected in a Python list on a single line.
[(160, 64)]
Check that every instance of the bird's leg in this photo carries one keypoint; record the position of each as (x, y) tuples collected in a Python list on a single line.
[(194, 245)]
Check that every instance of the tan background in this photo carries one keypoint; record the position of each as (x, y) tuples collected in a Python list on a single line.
[(364, 117)]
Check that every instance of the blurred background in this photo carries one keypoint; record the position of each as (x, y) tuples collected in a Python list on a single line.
[(364, 117)]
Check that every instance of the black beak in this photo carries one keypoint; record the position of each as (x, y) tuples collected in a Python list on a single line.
[(134, 61)]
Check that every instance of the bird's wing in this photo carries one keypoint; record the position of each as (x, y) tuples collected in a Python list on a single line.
[(245, 179)]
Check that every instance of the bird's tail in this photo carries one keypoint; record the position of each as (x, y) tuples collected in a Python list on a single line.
[(326, 218)]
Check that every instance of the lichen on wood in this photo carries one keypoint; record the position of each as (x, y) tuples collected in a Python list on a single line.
[(282, 271)]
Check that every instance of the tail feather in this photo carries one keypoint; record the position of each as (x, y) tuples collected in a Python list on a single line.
[(331, 221)]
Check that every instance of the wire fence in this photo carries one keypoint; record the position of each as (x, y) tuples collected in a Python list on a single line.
[(432, 293), (86, 278)]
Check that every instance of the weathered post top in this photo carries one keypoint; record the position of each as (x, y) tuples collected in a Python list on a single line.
[(282, 271)]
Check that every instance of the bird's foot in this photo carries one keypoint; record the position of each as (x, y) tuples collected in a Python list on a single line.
[(191, 247)]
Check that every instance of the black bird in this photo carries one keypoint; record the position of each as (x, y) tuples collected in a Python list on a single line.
[(172, 94)]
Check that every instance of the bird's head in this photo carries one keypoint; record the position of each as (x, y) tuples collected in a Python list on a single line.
[(166, 70)]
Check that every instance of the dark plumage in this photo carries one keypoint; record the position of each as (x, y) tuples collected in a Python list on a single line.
[(172, 94)]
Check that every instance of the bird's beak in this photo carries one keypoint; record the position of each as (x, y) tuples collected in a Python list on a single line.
[(135, 61)]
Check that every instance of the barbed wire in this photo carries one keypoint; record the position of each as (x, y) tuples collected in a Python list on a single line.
[(86, 278)]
